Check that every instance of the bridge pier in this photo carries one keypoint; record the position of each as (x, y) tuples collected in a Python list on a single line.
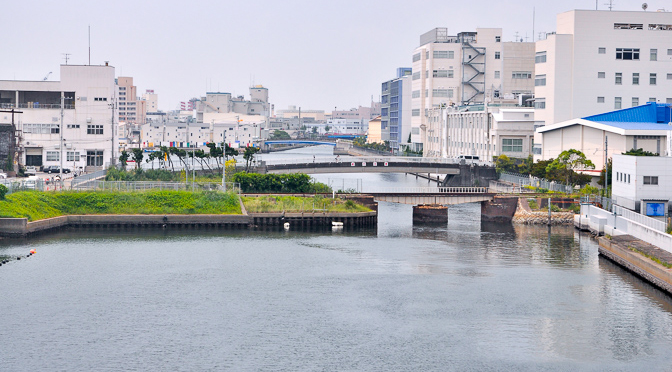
[(500, 209), (430, 214)]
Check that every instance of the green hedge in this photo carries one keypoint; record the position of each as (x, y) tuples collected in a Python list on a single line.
[(278, 183), (40, 205)]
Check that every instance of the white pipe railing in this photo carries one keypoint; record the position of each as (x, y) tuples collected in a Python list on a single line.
[(641, 219), (431, 190)]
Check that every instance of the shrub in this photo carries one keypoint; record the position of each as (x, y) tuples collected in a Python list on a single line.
[(3, 191), (533, 203), (555, 208), (278, 183)]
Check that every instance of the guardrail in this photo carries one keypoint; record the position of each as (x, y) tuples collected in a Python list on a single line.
[(367, 159), (77, 181), (94, 185), (641, 219), (432, 190)]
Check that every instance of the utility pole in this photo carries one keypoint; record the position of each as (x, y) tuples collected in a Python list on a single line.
[(60, 143)]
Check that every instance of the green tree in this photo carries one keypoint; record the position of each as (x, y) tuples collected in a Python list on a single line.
[(137, 155), (327, 128), (280, 135), (123, 159), (248, 155), (565, 165), (639, 152), (504, 164)]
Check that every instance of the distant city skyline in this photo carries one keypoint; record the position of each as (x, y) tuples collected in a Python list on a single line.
[(316, 55)]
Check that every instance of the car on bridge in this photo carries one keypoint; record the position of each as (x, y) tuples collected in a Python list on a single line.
[(55, 169)]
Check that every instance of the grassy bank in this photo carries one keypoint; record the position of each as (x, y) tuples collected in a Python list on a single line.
[(298, 204), (40, 205)]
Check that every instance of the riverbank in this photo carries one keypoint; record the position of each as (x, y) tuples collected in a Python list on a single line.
[(643, 259)]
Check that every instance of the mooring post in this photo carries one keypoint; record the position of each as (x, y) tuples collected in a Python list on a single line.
[(549, 211)]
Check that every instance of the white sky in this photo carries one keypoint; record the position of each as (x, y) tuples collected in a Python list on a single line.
[(314, 54)]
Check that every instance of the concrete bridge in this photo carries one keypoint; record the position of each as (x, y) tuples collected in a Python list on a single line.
[(433, 195), (454, 173)]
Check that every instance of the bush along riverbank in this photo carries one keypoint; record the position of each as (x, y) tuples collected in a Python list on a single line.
[(294, 204), (36, 205)]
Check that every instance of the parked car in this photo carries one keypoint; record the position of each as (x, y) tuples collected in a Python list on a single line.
[(30, 171), (3, 176), (55, 169)]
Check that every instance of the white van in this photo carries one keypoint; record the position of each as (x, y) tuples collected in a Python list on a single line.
[(31, 182)]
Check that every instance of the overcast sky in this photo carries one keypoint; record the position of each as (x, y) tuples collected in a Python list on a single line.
[(314, 54)]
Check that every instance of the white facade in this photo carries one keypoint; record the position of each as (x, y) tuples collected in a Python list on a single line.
[(152, 101), (89, 117), (486, 133), (638, 179), (599, 61), (225, 103), (466, 69)]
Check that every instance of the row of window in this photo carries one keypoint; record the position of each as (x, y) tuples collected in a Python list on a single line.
[(512, 145), (618, 101), (648, 180), (640, 26), (56, 156), (618, 77), (444, 54)]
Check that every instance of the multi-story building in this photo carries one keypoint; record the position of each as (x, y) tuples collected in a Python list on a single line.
[(224, 103), (395, 121), (597, 61), (293, 112), (152, 100), (131, 108), (361, 113), (483, 131), (83, 101), (466, 69)]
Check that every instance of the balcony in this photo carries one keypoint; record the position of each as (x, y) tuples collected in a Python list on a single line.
[(37, 105)]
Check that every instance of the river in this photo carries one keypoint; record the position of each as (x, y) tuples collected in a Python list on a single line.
[(467, 296)]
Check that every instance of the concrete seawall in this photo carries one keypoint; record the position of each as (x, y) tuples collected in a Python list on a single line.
[(619, 249), (20, 227)]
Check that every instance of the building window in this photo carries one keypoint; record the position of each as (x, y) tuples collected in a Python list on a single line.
[(635, 78), (100, 98), (94, 158), (669, 52), (540, 57), (497, 55), (415, 112), (498, 39), (521, 75), (652, 99), (669, 76), (443, 54), (94, 129), (442, 93), (635, 101), (651, 180), (416, 75), (416, 57), (496, 74), (440, 73), (600, 99), (652, 78), (72, 156), (540, 80), (654, 54), (601, 75), (628, 26), (627, 53), (512, 145), (540, 103), (415, 94), (53, 156), (617, 103), (619, 78), (602, 50)]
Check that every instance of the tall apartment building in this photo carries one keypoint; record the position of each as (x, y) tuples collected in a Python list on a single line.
[(151, 100), (131, 108), (395, 110), (598, 61), (466, 69), (85, 97), (225, 103)]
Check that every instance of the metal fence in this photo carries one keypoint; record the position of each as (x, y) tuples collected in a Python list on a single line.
[(532, 181), (95, 185), (433, 190), (640, 218), (604, 202), (88, 177)]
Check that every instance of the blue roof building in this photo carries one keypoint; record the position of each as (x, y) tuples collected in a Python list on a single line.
[(642, 127)]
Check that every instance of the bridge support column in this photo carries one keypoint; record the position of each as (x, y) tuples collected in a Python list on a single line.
[(501, 209), (430, 214)]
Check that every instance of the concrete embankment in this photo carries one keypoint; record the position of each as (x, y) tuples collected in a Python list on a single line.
[(640, 258), (21, 227), (525, 215)]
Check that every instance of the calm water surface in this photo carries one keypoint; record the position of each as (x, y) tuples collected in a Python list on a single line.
[(468, 296)]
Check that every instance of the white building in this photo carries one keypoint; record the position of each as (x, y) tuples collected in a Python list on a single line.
[(643, 127), (642, 183), (602, 60), (89, 117), (466, 69), (483, 131), (225, 103), (152, 100)]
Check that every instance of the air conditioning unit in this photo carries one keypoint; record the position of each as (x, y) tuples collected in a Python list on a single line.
[(88, 120)]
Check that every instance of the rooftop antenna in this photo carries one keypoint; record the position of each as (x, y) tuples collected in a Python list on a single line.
[(89, 45), (515, 36), (534, 11), (610, 4), (66, 56)]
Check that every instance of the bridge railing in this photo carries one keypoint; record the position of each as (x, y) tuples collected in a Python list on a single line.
[(379, 160), (432, 190)]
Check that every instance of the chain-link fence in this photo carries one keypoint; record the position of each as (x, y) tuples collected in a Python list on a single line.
[(532, 181), (95, 185)]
